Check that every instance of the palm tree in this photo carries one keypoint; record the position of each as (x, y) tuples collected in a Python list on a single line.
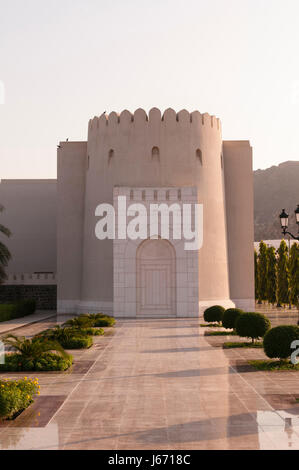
[(79, 322), (4, 252), (34, 348), (60, 334)]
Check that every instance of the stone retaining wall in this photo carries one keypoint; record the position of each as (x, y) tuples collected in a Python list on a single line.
[(45, 295)]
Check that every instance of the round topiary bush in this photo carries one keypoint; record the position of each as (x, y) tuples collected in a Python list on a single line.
[(252, 325), (230, 317), (278, 340), (214, 314)]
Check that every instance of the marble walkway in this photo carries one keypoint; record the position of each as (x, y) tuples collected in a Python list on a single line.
[(161, 384)]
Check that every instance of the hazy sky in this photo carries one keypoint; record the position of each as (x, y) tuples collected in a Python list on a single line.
[(64, 61)]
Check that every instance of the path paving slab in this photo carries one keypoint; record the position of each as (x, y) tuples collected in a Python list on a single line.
[(161, 384)]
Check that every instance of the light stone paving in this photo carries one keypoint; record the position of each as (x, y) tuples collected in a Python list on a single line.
[(161, 384), (16, 323)]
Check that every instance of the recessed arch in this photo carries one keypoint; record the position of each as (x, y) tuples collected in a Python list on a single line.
[(198, 154), (156, 154), (110, 156), (155, 278)]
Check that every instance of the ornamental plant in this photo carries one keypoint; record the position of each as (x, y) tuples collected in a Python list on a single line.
[(252, 325), (282, 293), (294, 274), (214, 314), (68, 338), (16, 396), (262, 272), (230, 317), (35, 354), (277, 341), (271, 275)]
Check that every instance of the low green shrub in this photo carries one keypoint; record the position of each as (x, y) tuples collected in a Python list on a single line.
[(15, 362), (100, 319), (7, 312), (16, 396), (35, 354), (230, 317), (220, 333), (82, 321), (26, 307), (18, 309), (89, 320), (278, 340), (77, 342), (252, 325), (273, 366), (232, 345), (105, 321), (71, 337), (92, 331), (214, 314)]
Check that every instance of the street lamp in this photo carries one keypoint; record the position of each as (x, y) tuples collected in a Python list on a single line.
[(284, 222)]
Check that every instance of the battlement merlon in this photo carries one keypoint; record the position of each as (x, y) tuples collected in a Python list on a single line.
[(169, 117)]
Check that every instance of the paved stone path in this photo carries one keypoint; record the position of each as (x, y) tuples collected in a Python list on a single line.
[(161, 384), (38, 316)]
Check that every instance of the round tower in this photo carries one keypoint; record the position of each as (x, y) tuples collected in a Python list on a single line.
[(173, 150)]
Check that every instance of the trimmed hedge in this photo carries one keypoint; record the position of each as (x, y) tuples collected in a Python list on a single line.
[(77, 342), (252, 325), (278, 340), (16, 362), (105, 321), (90, 320), (68, 337), (230, 317), (214, 314), (17, 309), (92, 331), (16, 396)]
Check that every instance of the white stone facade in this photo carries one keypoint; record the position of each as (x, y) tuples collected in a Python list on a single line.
[(162, 287)]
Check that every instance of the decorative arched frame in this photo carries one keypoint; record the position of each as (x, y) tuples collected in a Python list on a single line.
[(125, 258)]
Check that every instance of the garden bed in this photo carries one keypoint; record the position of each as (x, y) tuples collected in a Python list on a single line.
[(16, 396), (231, 345), (266, 365), (220, 333), (15, 362)]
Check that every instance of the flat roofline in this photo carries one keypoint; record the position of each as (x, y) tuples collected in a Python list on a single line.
[(237, 142)]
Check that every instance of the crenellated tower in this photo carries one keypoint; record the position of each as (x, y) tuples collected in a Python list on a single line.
[(140, 150)]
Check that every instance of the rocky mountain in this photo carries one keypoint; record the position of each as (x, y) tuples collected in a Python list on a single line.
[(274, 189)]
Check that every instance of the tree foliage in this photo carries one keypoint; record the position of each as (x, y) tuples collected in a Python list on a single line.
[(294, 274), (271, 275), (282, 293), (262, 272)]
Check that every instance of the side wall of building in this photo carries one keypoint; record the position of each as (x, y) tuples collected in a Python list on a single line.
[(240, 224), (30, 214), (71, 170)]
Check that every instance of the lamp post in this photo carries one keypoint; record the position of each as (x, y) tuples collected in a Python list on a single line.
[(284, 222)]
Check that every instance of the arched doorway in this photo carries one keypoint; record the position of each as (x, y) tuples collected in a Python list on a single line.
[(156, 280)]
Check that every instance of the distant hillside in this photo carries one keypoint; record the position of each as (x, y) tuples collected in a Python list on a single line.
[(274, 189)]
